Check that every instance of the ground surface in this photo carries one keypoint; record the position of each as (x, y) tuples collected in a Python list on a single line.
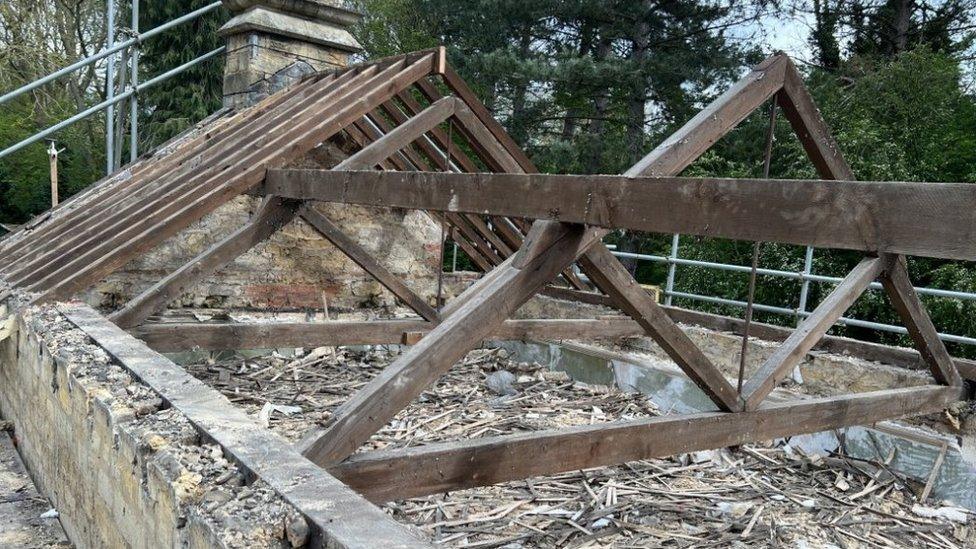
[(21, 506), (754, 496)]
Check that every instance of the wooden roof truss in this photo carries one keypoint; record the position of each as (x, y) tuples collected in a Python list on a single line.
[(425, 142)]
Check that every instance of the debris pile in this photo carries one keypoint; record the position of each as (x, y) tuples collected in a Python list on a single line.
[(752, 496)]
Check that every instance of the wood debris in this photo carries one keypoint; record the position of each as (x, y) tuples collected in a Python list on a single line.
[(752, 496)]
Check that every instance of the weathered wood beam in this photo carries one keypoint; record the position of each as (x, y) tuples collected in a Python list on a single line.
[(250, 171), (874, 217), (811, 330), (905, 300), (875, 352), (683, 147), (113, 214), (610, 276), (174, 337), (423, 470), (338, 516), (273, 214), (810, 127), (361, 257), (400, 382), (400, 137), (460, 87)]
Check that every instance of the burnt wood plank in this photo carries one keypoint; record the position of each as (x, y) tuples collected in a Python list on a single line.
[(430, 469), (273, 214), (873, 217), (339, 516), (361, 257), (916, 319), (811, 330), (400, 382), (610, 276)]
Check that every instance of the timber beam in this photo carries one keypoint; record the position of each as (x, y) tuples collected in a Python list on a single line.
[(338, 516), (873, 217), (430, 469), (175, 337)]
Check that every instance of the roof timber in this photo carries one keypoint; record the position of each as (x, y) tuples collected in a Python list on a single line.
[(869, 216), (443, 467), (339, 516), (485, 305), (394, 112)]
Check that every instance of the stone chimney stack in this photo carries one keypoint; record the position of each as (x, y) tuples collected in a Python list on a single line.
[(273, 43)]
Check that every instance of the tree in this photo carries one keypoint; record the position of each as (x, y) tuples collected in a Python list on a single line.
[(175, 105), (37, 38)]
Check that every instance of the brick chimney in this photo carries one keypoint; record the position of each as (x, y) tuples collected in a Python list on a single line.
[(273, 43)]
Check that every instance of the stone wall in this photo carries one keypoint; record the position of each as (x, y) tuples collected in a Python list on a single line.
[(122, 469), (820, 373), (297, 267)]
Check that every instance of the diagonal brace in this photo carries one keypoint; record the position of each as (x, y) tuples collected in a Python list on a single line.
[(611, 277), (361, 257), (808, 333), (273, 214), (550, 248), (916, 319)]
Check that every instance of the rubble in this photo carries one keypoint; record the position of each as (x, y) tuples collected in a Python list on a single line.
[(752, 496)]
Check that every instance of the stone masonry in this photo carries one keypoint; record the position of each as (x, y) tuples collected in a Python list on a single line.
[(272, 44), (121, 468)]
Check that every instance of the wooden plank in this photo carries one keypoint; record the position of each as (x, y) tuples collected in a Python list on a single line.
[(361, 257), (400, 382), (430, 469), (683, 147), (469, 249), (192, 160), (339, 516), (611, 277), (875, 352), (307, 111), (460, 87), (439, 137), (887, 217), (916, 319), (470, 233), (806, 335), (273, 214), (247, 172), (174, 337), (810, 128), (109, 192), (174, 189)]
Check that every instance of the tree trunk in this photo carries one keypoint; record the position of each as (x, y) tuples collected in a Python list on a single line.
[(573, 113), (517, 125), (601, 104)]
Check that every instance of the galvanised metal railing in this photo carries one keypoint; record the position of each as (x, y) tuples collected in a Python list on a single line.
[(112, 99), (806, 276)]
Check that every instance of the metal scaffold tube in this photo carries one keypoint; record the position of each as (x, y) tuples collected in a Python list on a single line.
[(119, 46)]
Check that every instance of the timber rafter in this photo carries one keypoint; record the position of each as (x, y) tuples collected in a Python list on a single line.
[(418, 147)]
